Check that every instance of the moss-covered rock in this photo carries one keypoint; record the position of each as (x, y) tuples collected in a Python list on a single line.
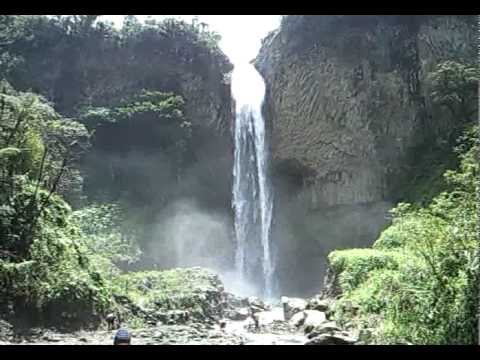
[(419, 284), (354, 265), (174, 296)]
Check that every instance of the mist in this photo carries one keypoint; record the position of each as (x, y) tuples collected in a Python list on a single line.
[(186, 235), (304, 234)]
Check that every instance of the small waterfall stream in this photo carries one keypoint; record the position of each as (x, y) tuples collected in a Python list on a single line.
[(252, 194)]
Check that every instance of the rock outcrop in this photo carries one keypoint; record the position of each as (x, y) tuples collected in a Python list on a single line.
[(318, 303), (6, 330), (178, 296), (94, 65), (349, 111), (291, 306), (332, 339)]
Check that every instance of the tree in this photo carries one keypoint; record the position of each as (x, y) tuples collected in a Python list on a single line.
[(11, 30), (131, 25), (37, 149), (455, 86)]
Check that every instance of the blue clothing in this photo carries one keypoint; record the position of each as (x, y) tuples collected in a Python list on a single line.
[(123, 334)]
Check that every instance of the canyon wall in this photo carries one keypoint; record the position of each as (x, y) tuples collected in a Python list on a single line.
[(350, 113)]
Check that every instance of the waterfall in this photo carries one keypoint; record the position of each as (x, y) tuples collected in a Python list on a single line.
[(252, 195)]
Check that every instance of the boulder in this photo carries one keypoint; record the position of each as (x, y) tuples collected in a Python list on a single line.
[(172, 317), (291, 306), (6, 330), (331, 339), (329, 327), (237, 314), (313, 318), (256, 304), (317, 303), (267, 318), (298, 319), (51, 337), (234, 301)]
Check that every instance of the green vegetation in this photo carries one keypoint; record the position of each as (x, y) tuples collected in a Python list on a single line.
[(354, 265), (79, 60), (80, 182), (109, 241), (170, 289), (455, 87), (419, 283), (62, 266), (44, 269)]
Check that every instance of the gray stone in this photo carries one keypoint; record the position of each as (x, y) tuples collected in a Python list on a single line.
[(331, 339), (6, 330), (298, 319), (313, 319), (256, 304), (325, 328), (316, 303), (344, 118), (51, 338), (291, 306), (237, 314)]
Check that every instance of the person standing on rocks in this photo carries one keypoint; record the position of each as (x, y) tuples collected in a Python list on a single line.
[(111, 321), (253, 314)]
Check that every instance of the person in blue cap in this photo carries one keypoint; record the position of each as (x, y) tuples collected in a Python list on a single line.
[(122, 337)]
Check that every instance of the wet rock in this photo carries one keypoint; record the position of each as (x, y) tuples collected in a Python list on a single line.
[(280, 327), (291, 306), (325, 328), (234, 301), (331, 339), (331, 137), (237, 314), (313, 319), (298, 319), (266, 318), (6, 330), (317, 303), (51, 338), (365, 335), (171, 317), (256, 304)]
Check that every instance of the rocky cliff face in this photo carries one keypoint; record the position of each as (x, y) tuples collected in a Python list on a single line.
[(78, 64), (348, 106)]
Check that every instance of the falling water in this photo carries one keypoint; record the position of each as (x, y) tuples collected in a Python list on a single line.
[(252, 196)]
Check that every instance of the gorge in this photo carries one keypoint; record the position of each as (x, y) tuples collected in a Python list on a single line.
[(318, 170)]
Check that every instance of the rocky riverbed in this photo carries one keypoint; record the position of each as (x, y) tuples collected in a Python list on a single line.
[(198, 313), (272, 331)]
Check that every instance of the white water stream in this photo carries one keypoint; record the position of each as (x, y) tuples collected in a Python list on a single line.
[(252, 193)]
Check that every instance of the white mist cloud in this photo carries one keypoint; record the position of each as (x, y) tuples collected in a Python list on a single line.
[(190, 236)]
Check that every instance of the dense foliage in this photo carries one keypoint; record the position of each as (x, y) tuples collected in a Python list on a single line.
[(141, 132), (45, 271), (124, 87), (418, 284), (429, 295), (78, 61)]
